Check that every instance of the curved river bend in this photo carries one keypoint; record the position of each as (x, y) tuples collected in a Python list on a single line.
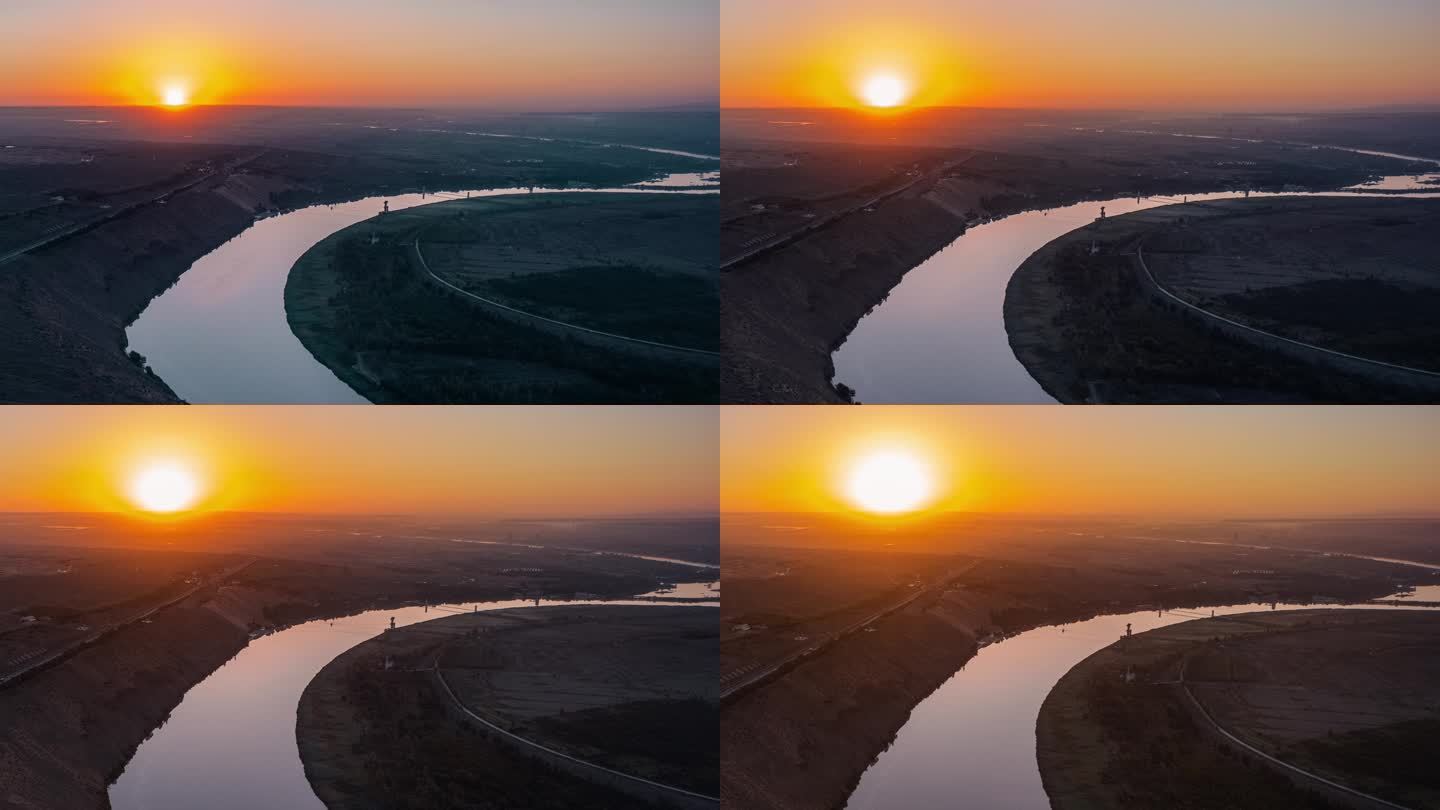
[(230, 744), (220, 334), (939, 336), (974, 737)]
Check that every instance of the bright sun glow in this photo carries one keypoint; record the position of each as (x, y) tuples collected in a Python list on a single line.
[(884, 90), (176, 96), (164, 487), (889, 482)]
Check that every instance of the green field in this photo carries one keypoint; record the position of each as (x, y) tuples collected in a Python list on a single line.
[(637, 266), (641, 266)]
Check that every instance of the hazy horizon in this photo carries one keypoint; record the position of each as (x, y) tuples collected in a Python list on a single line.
[(693, 106), (492, 516), (551, 462), (1426, 107), (1189, 518), (542, 55), (1126, 54), (1230, 462)]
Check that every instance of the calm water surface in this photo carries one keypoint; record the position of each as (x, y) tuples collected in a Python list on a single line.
[(683, 180), (1420, 593), (971, 743), (688, 590), (230, 744)]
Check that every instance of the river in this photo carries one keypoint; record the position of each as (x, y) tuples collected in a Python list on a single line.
[(974, 737), (220, 334), (939, 337), (230, 744)]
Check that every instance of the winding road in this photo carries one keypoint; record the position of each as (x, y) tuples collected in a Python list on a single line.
[(1379, 364), (1376, 801)]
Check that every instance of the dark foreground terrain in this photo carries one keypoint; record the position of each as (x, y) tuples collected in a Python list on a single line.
[(820, 221), (631, 689), (103, 209), (570, 294), (106, 622), (824, 653), (1355, 276), (1346, 695)]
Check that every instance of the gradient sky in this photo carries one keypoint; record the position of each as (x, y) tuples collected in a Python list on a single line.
[(1214, 55), (1215, 462), (519, 462), (531, 55)]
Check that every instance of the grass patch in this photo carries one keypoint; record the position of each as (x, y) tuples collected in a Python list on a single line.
[(365, 312), (678, 736), (1343, 306), (630, 301), (1397, 754), (1367, 317), (360, 304)]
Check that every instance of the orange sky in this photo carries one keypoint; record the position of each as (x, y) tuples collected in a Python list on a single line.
[(521, 462), (535, 55), (1218, 54), (1216, 462)]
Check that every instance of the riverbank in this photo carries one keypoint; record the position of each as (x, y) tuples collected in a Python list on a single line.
[(118, 222), (73, 727), (71, 302), (1092, 325), (625, 688), (806, 737), (1140, 722), (503, 300), (783, 313), (67, 304), (787, 309), (802, 740)]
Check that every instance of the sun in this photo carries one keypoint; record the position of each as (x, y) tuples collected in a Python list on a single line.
[(889, 482), (164, 487), (884, 90), (175, 95)]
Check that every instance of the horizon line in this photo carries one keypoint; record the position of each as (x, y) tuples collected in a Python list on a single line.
[(201, 513), (1392, 515), (1419, 106), (679, 106)]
